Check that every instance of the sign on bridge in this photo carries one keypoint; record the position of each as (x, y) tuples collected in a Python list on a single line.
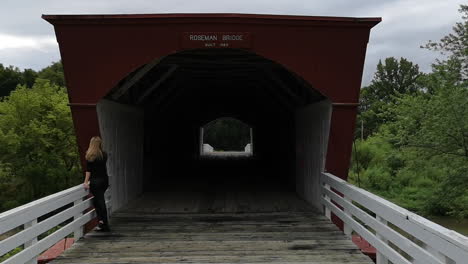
[(194, 40)]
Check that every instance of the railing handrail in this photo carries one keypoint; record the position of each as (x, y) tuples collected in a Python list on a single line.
[(445, 233), (436, 237), (7, 217), (28, 215)]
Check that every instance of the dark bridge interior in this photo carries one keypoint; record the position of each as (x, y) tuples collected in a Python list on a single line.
[(182, 92)]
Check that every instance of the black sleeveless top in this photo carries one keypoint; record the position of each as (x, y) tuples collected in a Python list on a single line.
[(98, 168)]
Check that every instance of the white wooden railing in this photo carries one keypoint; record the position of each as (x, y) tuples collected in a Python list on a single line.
[(398, 235), (27, 216)]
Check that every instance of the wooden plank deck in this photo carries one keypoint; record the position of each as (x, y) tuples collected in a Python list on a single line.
[(225, 227)]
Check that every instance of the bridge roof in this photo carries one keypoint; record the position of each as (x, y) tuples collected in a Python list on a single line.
[(115, 18)]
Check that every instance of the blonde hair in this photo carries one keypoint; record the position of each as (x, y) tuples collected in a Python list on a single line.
[(95, 149)]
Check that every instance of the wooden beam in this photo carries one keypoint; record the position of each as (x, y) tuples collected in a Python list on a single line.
[(276, 95), (159, 107), (157, 83), (283, 86), (135, 78)]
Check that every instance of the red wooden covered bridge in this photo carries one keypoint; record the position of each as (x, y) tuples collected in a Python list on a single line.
[(149, 83)]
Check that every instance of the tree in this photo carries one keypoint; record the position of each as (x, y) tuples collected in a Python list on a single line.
[(53, 73), (10, 77), (437, 123), (392, 79), (38, 154), (455, 46), (227, 134), (418, 157), (28, 78)]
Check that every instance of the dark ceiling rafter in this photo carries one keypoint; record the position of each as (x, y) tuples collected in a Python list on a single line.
[(228, 75), (284, 88), (276, 95), (122, 89), (172, 95), (158, 83)]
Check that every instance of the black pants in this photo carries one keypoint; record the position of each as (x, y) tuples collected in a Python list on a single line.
[(98, 187)]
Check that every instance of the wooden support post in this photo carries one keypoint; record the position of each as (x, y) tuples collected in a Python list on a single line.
[(251, 141), (381, 259), (201, 140), (79, 232), (347, 228), (327, 198), (108, 201), (31, 242)]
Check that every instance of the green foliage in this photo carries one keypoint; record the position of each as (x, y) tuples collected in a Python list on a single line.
[(11, 77), (374, 164), (38, 154), (392, 79), (420, 159), (227, 134), (53, 73), (10, 254)]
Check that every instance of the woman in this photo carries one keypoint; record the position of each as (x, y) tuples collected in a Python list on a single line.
[(96, 170)]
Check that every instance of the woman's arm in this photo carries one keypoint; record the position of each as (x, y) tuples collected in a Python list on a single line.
[(86, 181)]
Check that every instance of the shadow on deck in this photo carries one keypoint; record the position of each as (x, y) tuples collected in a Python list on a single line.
[(224, 227)]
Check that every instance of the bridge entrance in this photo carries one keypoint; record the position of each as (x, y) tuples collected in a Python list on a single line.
[(153, 119)]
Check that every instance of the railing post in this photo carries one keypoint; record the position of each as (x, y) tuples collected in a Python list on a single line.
[(347, 228), (31, 242), (79, 232), (381, 259), (327, 198)]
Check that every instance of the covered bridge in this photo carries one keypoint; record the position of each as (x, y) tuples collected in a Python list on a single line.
[(148, 83)]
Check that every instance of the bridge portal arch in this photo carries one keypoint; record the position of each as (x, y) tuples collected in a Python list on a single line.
[(153, 119)]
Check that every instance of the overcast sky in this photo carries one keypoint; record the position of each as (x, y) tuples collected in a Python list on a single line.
[(27, 41)]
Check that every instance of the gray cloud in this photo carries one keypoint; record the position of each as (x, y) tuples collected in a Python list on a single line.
[(406, 24), (29, 58)]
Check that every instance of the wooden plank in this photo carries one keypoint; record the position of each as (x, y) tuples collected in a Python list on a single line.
[(30, 242), (380, 258), (214, 228), (80, 232), (190, 252), (332, 258), (130, 212), (290, 235), (212, 246), (228, 202)]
